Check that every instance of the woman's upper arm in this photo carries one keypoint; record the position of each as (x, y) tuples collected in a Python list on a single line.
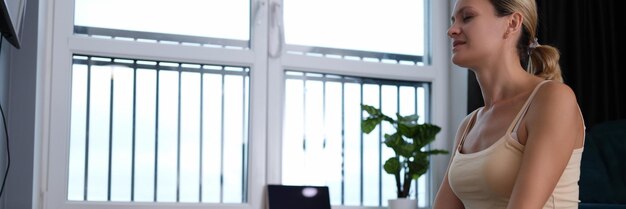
[(445, 198), (553, 123)]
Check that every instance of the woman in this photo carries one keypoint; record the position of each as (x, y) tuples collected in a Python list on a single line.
[(523, 148)]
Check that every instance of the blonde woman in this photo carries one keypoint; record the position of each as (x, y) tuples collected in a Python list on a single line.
[(523, 148)]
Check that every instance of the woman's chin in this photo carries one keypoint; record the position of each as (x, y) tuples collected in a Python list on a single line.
[(458, 60)]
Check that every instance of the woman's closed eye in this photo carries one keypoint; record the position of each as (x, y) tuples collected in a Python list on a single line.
[(467, 18)]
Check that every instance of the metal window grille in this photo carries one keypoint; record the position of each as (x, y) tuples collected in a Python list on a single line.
[(152, 131), (323, 143)]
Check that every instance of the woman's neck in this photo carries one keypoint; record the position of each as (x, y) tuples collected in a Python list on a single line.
[(498, 86)]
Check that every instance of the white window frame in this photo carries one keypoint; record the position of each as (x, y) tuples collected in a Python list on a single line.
[(61, 44), (436, 70), (57, 44)]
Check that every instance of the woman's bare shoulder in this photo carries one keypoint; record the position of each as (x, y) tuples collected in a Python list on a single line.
[(554, 112), (555, 96)]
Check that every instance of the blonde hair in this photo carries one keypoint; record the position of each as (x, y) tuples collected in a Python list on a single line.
[(539, 60)]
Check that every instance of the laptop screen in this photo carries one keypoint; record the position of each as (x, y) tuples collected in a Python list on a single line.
[(298, 197)]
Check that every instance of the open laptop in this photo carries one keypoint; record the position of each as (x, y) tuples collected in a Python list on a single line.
[(297, 197)]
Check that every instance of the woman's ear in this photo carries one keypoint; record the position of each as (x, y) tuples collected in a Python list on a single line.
[(514, 24)]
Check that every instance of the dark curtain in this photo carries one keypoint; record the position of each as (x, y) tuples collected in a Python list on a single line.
[(586, 33)]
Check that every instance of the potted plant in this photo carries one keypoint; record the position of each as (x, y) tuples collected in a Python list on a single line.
[(410, 160)]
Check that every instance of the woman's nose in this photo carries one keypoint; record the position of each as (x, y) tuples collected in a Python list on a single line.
[(453, 30)]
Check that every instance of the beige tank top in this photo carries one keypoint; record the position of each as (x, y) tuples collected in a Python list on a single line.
[(485, 179)]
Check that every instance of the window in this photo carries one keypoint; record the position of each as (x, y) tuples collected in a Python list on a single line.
[(146, 131), (389, 32), (161, 20), (323, 143), (200, 104)]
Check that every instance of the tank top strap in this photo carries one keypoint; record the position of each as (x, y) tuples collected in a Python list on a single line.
[(518, 118), (470, 123)]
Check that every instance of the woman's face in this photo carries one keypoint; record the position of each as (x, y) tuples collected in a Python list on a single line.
[(477, 34)]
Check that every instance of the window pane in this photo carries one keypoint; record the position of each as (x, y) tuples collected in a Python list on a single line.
[(212, 136), (392, 26), (323, 143), (122, 132), (146, 131), (190, 137), (184, 17), (98, 134), (145, 134), (352, 158)]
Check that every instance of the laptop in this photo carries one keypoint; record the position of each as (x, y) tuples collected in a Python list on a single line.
[(297, 197)]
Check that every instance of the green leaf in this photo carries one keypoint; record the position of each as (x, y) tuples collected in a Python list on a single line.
[(425, 134), (393, 140), (418, 167), (392, 166), (374, 119), (405, 150), (407, 130), (370, 109), (369, 124), (410, 119)]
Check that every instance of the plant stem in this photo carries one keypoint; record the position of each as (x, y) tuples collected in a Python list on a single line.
[(398, 186), (407, 185)]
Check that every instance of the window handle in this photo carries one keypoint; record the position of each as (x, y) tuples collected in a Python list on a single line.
[(276, 26)]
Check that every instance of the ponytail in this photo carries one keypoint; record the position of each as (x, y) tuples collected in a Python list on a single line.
[(544, 62)]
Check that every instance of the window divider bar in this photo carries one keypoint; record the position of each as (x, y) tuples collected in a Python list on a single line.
[(325, 130), (111, 89), (304, 82), (417, 184), (178, 136), (86, 177), (156, 132), (343, 142), (133, 146), (427, 112), (201, 140), (380, 148), (361, 195), (427, 92), (222, 139), (243, 145)]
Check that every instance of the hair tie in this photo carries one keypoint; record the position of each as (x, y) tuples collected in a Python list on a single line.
[(533, 44)]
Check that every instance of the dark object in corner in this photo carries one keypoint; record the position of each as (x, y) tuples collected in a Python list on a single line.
[(603, 167), (11, 20)]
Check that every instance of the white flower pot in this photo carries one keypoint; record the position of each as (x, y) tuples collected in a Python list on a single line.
[(403, 203)]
